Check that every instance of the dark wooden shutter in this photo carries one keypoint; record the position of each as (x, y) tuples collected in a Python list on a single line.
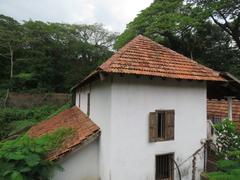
[(153, 126), (169, 124)]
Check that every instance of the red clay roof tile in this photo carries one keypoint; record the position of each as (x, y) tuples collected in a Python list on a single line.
[(219, 108), (71, 118), (143, 56)]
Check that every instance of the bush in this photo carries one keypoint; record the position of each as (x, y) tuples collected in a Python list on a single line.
[(25, 157), (228, 145), (14, 119), (228, 138)]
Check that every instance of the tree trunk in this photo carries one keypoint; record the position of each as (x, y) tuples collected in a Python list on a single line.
[(11, 74), (6, 98)]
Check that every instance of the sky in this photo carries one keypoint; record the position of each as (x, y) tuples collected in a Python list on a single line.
[(113, 14)]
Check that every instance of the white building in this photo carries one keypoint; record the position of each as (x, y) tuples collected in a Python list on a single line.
[(149, 103)]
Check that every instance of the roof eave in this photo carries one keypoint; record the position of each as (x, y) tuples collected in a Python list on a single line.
[(95, 73), (84, 143), (86, 79)]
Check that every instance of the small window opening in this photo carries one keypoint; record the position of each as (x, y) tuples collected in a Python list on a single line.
[(216, 119), (161, 125), (164, 167)]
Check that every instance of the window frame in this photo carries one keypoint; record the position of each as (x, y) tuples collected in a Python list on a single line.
[(154, 136), (171, 166)]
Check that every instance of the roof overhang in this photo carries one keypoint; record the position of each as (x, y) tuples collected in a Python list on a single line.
[(86, 80), (221, 90)]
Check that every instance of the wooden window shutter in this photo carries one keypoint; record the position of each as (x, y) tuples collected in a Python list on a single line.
[(153, 126), (169, 124)]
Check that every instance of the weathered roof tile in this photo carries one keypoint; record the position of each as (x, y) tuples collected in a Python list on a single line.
[(219, 108), (143, 56), (71, 118)]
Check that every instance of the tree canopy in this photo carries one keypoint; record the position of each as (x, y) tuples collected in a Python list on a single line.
[(44, 57), (188, 27), (224, 13)]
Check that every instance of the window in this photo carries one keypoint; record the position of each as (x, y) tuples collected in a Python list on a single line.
[(79, 98), (216, 119), (88, 104), (164, 167), (161, 125)]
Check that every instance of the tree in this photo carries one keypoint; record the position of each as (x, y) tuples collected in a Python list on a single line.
[(181, 27), (224, 13), (11, 40), (161, 21), (51, 57), (94, 34)]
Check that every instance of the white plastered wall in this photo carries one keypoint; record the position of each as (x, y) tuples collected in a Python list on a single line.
[(132, 155), (121, 108), (82, 164), (100, 111)]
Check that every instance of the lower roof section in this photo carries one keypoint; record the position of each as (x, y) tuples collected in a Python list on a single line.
[(85, 130)]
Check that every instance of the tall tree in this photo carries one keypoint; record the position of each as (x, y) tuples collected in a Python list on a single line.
[(224, 13), (50, 56), (11, 40), (181, 26), (161, 21)]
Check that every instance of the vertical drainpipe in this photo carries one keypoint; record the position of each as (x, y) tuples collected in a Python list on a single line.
[(229, 99)]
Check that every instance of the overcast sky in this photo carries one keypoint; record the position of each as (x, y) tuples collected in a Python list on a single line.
[(114, 14)]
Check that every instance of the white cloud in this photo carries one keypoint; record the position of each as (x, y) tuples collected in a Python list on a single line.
[(114, 14)]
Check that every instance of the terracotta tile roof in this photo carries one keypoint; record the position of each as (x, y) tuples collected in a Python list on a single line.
[(143, 56), (70, 118), (219, 108)]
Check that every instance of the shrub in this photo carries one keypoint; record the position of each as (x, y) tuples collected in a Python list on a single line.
[(228, 138), (14, 119), (228, 145), (25, 157)]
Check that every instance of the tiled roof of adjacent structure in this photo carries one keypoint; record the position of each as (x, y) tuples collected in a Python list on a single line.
[(219, 109), (84, 130), (142, 56)]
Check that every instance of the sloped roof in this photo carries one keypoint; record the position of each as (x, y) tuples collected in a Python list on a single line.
[(73, 118), (143, 56), (219, 108)]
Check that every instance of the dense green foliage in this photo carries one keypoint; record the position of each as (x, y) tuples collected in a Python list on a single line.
[(188, 29), (46, 57), (25, 158), (224, 13), (14, 119), (228, 151), (228, 138)]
